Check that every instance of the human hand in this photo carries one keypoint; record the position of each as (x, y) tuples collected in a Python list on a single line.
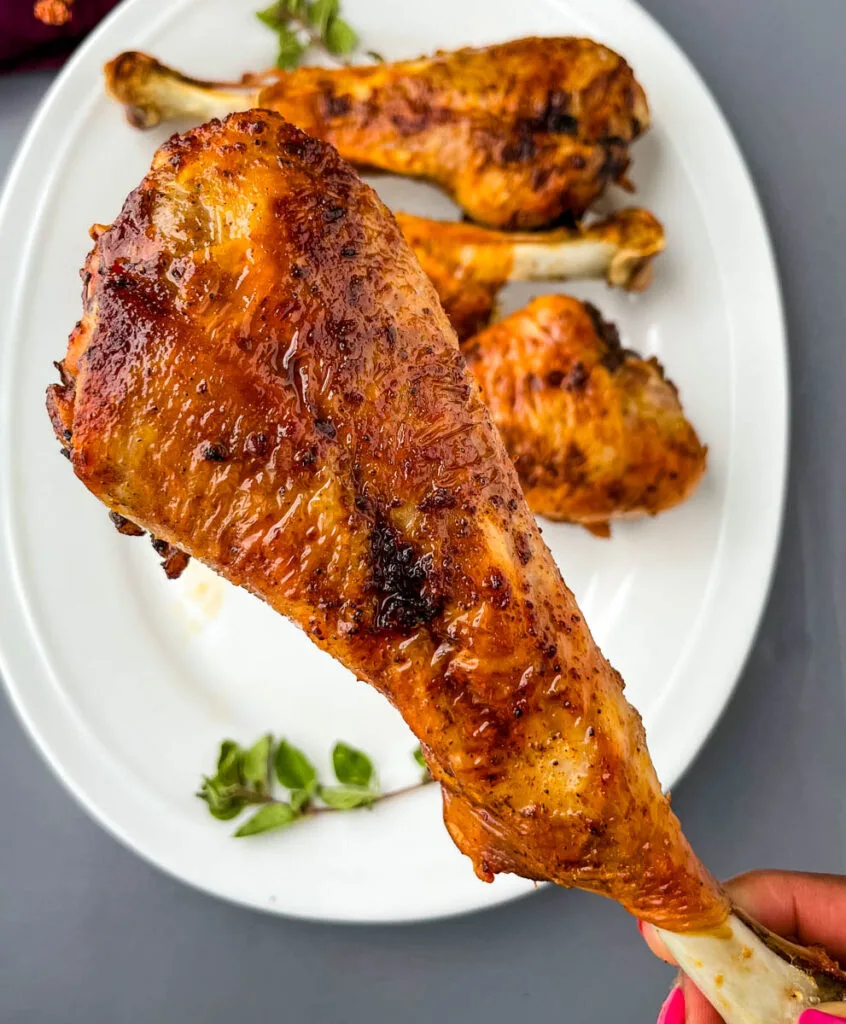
[(808, 908)]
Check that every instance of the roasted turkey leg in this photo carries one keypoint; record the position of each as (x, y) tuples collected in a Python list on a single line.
[(596, 432), (520, 134), (468, 265), (263, 377)]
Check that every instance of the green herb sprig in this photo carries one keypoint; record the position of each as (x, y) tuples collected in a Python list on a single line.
[(245, 777), (300, 24)]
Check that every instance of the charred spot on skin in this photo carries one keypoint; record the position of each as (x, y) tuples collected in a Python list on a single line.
[(124, 526), (566, 219), (349, 252), (556, 117), (402, 580), (306, 457), (497, 583), (363, 504), (440, 498), (356, 288), (616, 160), (616, 492), (524, 548), (256, 444), (336, 106), (215, 452), (615, 354), (174, 561), (522, 149), (326, 428), (575, 380), (562, 124), (302, 147)]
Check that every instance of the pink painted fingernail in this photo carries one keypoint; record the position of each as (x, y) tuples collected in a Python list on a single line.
[(672, 1012), (818, 1017)]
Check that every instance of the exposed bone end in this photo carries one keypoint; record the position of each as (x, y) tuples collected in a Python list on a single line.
[(638, 237), (131, 80), (620, 248), (753, 977), (150, 92)]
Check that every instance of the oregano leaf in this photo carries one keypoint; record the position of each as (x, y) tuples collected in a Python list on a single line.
[(255, 763), (290, 49), (220, 799), (229, 764), (269, 818), (340, 38), (346, 798), (351, 766), (321, 12), (293, 768), (275, 16)]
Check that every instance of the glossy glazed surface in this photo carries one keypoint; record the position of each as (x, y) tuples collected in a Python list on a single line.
[(263, 378), (520, 134), (595, 431)]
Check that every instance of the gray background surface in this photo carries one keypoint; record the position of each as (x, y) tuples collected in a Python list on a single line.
[(89, 933)]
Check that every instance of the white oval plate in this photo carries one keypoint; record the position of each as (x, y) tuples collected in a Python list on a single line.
[(128, 682)]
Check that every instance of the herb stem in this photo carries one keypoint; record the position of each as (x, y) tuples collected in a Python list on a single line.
[(377, 799), (250, 796)]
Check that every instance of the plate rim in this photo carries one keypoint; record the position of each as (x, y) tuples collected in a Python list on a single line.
[(12, 644)]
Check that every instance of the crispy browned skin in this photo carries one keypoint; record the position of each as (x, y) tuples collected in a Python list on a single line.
[(596, 432), (469, 264), (519, 134), (263, 377)]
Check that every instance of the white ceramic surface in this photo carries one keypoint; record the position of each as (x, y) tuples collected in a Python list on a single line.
[(128, 682)]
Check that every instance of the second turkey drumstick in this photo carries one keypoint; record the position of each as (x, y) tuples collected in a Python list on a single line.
[(521, 134), (469, 264)]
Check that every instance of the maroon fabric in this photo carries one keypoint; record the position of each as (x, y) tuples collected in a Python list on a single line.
[(26, 43)]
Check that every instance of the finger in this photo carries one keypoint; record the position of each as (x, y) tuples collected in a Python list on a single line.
[(699, 1010), (655, 942), (685, 1005), (673, 1008), (811, 908)]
